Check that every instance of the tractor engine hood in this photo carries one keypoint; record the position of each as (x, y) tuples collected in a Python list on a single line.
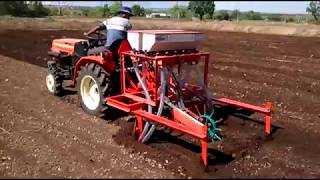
[(66, 45)]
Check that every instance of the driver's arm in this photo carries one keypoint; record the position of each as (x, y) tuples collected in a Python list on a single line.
[(97, 28)]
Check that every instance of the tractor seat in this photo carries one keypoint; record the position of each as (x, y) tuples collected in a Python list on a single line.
[(113, 48), (96, 51), (79, 51)]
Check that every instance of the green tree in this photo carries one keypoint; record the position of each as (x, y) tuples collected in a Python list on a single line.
[(235, 14), (147, 11), (2, 8), (179, 12), (103, 11), (36, 9), (40, 10), (251, 15), (53, 11), (222, 15), (24, 8), (115, 7), (201, 8), (86, 12), (16, 8), (275, 17), (137, 10), (314, 9), (290, 19)]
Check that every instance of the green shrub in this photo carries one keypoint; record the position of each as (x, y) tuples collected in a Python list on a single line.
[(251, 15), (275, 18), (221, 15)]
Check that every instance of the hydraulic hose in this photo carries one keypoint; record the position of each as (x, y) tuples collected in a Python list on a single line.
[(163, 74), (145, 136), (164, 78), (177, 92), (146, 93)]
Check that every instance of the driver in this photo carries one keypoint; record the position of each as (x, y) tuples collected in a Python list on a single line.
[(116, 27)]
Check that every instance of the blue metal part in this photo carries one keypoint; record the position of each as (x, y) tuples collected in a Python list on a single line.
[(212, 127)]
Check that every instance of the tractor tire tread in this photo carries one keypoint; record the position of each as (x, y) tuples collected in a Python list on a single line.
[(54, 70), (102, 78), (91, 66)]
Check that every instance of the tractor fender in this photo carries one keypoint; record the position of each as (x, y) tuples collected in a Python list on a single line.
[(124, 47), (106, 62)]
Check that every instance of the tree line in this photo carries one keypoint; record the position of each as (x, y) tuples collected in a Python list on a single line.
[(201, 9), (23, 8), (195, 9), (206, 10)]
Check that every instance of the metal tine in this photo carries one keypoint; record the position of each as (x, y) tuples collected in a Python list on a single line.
[(211, 114), (198, 110)]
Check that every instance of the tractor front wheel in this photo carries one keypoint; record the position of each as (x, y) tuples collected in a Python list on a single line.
[(93, 88), (53, 79)]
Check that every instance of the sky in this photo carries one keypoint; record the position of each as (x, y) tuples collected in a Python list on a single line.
[(289, 7)]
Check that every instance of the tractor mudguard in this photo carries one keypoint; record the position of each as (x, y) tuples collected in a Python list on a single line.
[(124, 47), (106, 61), (57, 54)]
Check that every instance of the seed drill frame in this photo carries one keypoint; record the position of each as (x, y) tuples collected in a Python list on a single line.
[(186, 120)]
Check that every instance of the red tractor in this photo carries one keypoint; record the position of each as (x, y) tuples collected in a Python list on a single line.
[(94, 75), (159, 76)]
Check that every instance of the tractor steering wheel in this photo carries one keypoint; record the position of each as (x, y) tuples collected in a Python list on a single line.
[(96, 36), (98, 39)]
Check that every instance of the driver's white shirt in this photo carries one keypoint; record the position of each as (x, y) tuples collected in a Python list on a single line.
[(117, 28), (117, 23)]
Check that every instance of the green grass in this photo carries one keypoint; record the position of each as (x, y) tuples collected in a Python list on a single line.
[(6, 17)]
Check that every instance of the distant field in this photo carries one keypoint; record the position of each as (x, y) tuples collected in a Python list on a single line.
[(43, 136), (242, 26)]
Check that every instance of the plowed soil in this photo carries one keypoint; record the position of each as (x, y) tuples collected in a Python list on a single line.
[(248, 67)]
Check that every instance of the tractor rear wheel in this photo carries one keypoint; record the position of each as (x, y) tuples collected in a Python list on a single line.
[(53, 79), (93, 86)]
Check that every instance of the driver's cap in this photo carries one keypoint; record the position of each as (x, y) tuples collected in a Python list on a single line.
[(126, 10)]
